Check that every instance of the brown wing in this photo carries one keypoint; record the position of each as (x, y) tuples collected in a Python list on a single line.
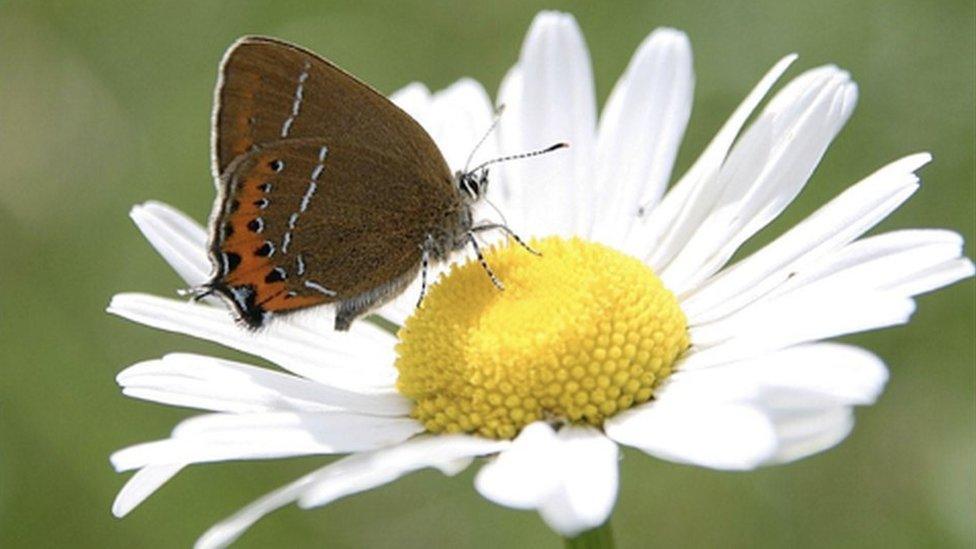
[(270, 90), (326, 189), (305, 223)]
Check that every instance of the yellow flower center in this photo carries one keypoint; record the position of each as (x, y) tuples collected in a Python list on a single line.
[(578, 334)]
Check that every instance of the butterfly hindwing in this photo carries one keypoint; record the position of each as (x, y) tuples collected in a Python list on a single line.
[(304, 223)]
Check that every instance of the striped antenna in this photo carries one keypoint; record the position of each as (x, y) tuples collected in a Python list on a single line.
[(494, 123), (549, 149)]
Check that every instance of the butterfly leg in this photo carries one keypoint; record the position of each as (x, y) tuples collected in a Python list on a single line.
[(346, 312), (505, 229), (424, 264), (484, 264), (196, 293)]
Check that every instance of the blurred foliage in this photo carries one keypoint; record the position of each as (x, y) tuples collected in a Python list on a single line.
[(106, 104)]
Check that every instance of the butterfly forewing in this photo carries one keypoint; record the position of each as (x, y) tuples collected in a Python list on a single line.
[(271, 90), (327, 190)]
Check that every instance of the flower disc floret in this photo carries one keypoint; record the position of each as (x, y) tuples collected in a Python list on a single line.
[(578, 334)]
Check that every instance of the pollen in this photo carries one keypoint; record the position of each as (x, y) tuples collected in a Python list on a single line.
[(578, 334)]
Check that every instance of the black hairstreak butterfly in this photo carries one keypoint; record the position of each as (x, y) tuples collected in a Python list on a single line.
[(327, 192)]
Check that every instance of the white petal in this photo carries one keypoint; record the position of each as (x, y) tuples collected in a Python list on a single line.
[(881, 262), (800, 397), (414, 99), (588, 491), (461, 114), (554, 102), (525, 474), (827, 374), (354, 474), (652, 236), (569, 477), (226, 531), (368, 470), (802, 433), (764, 172), (935, 277), (640, 130), (801, 316), (181, 241), (265, 435), (729, 436), (508, 189), (879, 273), (359, 359), (842, 220), (225, 386), (142, 485)]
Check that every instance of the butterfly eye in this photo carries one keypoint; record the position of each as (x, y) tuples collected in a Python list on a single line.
[(470, 186)]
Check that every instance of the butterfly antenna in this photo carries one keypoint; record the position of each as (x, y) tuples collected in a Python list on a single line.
[(494, 207), (494, 123), (549, 149)]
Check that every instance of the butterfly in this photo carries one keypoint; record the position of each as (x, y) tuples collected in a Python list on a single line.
[(327, 192)]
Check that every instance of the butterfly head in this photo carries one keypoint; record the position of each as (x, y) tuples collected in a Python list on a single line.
[(473, 184)]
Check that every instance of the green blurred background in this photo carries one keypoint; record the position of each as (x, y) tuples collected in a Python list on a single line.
[(107, 104)]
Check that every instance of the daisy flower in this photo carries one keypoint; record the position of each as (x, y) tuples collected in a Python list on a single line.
[(632, 328)]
